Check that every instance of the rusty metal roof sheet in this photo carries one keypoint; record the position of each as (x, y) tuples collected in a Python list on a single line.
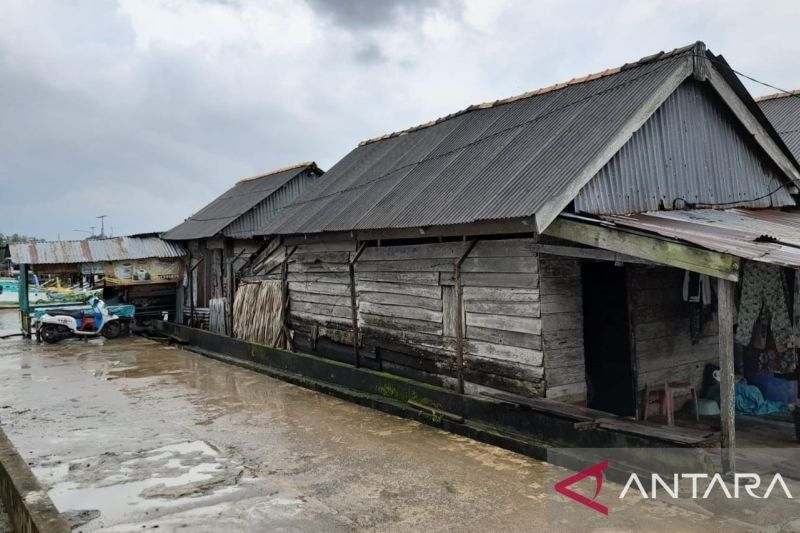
[(768, 235), (94, 250), (246, 195)]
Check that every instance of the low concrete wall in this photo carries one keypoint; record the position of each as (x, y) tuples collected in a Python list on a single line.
[(27, 504)]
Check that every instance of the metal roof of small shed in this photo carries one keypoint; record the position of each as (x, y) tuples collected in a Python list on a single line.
[(93, 250), (235, 202)]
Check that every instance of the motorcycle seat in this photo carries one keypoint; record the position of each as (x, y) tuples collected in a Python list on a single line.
[(66, 312)]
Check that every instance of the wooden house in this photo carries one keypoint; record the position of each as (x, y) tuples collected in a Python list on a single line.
[(540, 245), (220, 237), (783, 111)]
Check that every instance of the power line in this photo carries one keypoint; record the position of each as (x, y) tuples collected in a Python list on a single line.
[(692, 205), (754, 80)]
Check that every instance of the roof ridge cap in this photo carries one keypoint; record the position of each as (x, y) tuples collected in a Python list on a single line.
[(278, 170), (775, 96), (536, 92)]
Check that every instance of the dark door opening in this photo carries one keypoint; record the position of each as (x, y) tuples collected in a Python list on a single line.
[(606, 338)]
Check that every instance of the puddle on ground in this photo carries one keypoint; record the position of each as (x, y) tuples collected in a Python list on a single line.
[(142, 483)]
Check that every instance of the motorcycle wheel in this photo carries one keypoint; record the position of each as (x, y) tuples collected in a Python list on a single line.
[(111, 330), (50, 334)]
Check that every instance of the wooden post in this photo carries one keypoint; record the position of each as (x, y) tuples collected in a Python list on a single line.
[(232, 289), (24, 303), (285, 300), (353, 306), (190, 278), (460, 315), (727, 401)]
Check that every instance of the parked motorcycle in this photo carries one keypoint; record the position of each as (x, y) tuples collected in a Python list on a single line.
[(59, 324)]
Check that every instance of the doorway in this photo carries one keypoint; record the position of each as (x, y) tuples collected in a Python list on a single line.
[(607, 339)]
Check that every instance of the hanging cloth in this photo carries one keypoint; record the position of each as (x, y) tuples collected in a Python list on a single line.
[(763, 285), (697, 293)]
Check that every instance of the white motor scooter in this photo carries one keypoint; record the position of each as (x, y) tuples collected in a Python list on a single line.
[(59, 324)]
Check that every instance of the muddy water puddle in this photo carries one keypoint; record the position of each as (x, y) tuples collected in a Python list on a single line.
[(131, 434)]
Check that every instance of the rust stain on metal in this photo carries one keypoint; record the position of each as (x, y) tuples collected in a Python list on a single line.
[(767, 235), (95, 250)]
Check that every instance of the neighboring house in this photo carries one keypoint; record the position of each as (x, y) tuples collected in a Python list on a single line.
[(220, 237), (538, 245), (141, 269), (783, 111)]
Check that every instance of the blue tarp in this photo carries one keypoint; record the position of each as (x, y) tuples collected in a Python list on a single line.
[(750, 401)]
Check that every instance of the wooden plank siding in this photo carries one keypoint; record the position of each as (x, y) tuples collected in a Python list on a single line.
[(660, 323), (522, 314), (562, 327), (406, 308)]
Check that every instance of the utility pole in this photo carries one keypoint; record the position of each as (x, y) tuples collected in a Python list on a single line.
[(102, 225)]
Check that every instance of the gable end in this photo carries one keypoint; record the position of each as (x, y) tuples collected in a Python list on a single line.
[(692, 150)]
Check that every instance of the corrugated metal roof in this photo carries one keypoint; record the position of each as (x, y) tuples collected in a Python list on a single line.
[(247, 194), (489, 162), (94, 250), (504, 160), (784, 112), (768, 235), (693, 150), (245, 226)]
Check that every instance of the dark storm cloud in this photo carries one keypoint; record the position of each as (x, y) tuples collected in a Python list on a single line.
[(147, 110), (359, 14)]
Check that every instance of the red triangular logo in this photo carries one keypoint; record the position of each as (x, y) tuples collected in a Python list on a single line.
[(597, 472)]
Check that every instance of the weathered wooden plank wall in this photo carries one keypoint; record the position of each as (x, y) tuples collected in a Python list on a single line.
[(660, 322), (503, 348), (562, 324), (407, 308)]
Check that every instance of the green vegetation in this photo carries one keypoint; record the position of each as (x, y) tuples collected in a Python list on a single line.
[(389, 391), (16, 238)]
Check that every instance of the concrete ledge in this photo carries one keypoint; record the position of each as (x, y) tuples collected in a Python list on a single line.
[(28, 506), (504, 424)]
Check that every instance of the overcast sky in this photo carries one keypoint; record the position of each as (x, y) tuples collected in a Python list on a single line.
[(145, 110)]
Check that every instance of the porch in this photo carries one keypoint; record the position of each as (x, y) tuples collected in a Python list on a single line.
[(726, 250)]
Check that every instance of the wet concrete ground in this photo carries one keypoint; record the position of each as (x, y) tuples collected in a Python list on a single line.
[(130, 434)]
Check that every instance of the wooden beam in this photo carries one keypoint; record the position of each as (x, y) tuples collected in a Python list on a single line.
[(727, 401), (752, 124), (351, 267), (524, 226), (460, 314), (650, 248), (796, 310), (587, 253)]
